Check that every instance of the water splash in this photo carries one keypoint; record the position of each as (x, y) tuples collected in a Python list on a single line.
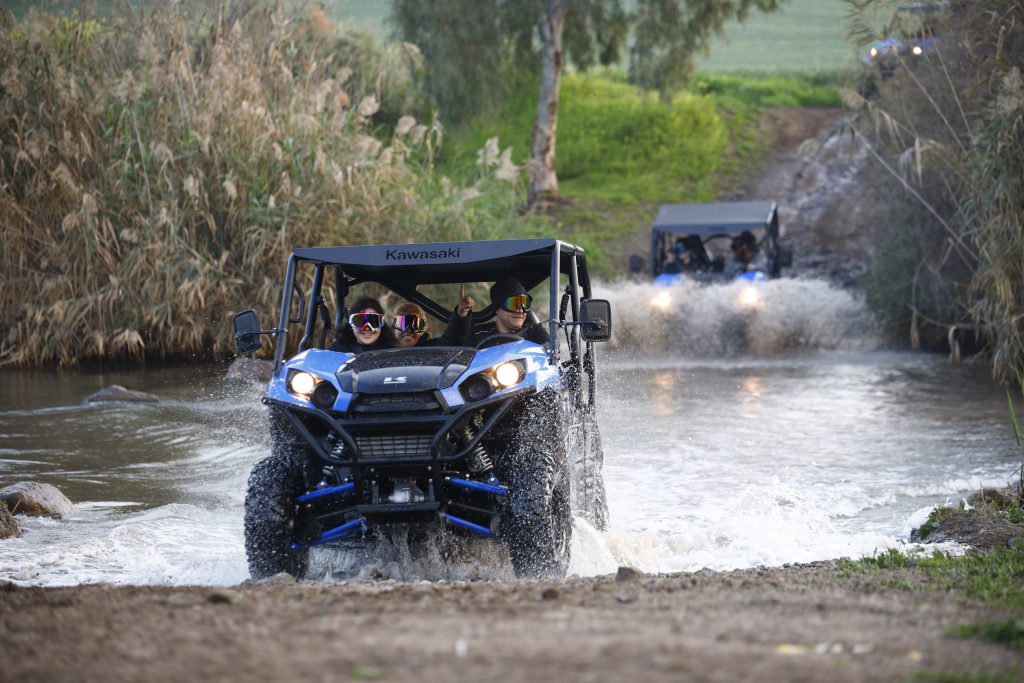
[(761, 319)]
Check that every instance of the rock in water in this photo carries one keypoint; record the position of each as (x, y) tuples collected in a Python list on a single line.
[(981, 532), (116, 392), (628, 574), (250, 370), (8, 527), (36, 500)]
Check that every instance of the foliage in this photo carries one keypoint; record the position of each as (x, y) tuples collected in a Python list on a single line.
[(771, 90), (157, 171), (977, 676), (995, 577), (935, 519), (948, 127), (1009, 632), (683, 150), (669, 33), (1018, 431), (477, 49), (624, 146), (887, 559), (481, 51)]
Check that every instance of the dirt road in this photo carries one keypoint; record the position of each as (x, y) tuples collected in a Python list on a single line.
[(809, 623)]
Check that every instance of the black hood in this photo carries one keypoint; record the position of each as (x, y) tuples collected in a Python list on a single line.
[(393, 371)]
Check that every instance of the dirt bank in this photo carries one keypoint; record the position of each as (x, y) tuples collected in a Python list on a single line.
[(808, 623), (818, 175)]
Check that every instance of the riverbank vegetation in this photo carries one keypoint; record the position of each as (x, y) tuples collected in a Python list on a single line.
[(156, 171), (947, 127)]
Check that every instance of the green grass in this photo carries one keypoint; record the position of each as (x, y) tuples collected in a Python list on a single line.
[(887, 559), (766, 89), (1009, 632), (995, 577), (807, 35), (613, 143), (965, 677)]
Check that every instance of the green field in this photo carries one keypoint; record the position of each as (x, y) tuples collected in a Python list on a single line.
[(807, 35)]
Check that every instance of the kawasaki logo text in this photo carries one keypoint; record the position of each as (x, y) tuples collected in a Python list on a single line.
[(401, 255)]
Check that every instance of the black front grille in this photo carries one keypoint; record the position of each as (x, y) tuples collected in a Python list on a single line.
[(376, 405), (394, 445)]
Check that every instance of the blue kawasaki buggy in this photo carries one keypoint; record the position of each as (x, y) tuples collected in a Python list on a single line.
[(499, 440)]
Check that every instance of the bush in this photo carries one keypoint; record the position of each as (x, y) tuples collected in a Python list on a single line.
[(949, 127), (155, 174)]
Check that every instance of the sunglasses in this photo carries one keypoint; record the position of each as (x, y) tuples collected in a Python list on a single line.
[(519, 302), (362, 321), (408, 322)]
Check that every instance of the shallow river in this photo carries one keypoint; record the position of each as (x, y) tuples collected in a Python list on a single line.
[(709, 463)]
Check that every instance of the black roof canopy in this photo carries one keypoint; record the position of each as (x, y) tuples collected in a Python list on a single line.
[(716, 218), (451, 262)]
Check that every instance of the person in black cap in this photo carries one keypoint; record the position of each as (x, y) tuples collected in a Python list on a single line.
[(511, 304)]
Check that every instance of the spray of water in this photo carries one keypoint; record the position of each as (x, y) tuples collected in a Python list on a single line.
[(764, 318)]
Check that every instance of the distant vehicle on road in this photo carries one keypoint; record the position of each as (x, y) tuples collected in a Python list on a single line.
[(719, 243), (909, 36), (714, 243)]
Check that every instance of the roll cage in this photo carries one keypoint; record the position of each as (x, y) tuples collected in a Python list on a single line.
[(403, 268), (701, 223)]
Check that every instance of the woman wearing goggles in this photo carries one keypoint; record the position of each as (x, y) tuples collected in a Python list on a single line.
[(366, 329), (410, 324)]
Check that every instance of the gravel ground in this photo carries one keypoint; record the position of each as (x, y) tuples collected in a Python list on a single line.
[(802, 623)]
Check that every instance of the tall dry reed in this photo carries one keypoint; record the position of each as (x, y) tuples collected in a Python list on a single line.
[(948, 128), (155, 173)]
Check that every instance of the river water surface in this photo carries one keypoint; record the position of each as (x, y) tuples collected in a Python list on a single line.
[(709, 463)]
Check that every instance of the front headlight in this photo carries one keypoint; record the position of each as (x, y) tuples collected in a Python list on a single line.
[(500, 377), (508, 374), (662, 300), (317, 390), (873, 52), (749, 297), (302, 383), (917, 50)]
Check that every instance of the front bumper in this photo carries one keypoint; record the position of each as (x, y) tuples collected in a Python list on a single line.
[(368, 455)]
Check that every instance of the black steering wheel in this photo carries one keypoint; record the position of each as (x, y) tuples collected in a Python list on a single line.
[(499, 338)]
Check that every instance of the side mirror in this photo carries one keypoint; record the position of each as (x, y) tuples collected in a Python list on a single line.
[(301, 315), (636, 264), (596, 315), (247, 332)]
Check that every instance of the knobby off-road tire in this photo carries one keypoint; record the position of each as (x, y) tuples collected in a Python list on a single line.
[(536, 522), (270, 516), (591, 500)]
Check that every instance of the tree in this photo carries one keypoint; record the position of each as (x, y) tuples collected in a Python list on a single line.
[(476, 48)]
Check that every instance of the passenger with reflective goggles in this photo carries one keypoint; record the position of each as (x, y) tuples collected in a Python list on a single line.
[(410, 324), (511, 306), (366, 329)]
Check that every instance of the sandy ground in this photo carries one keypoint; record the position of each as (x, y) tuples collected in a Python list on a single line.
[(806, 623)]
